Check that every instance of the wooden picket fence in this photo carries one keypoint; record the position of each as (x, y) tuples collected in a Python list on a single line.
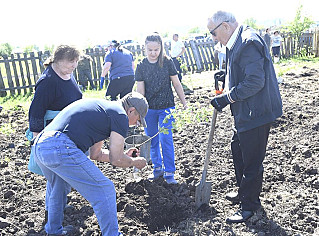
[(19, 72)]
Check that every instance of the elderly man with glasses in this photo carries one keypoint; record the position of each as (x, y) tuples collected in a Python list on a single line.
[(251, 89)]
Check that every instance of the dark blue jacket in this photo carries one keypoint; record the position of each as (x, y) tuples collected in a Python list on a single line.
[(252, 81)]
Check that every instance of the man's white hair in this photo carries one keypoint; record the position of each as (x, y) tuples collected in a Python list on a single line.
[(222, 16)]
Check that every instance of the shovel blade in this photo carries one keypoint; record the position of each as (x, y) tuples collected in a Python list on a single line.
[(202, 193)]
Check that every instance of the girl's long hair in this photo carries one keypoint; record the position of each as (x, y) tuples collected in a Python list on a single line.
[(155, 37)]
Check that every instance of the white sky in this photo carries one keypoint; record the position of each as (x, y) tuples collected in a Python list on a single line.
[(83, 23)]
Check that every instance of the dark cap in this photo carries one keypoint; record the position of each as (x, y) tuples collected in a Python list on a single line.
[(138, 101), (113, 43)]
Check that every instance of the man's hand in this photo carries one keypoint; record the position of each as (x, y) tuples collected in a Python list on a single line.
[(139, 162), (133, 152), (220, 101)]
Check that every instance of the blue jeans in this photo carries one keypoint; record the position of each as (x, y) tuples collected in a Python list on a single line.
[(63, 164), (154, 120)]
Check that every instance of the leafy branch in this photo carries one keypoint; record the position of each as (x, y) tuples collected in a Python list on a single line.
[(164, 130)]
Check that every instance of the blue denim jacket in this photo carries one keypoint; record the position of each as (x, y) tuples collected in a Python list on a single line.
[(252, 82)]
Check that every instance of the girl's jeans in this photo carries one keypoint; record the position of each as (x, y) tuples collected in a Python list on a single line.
[(64, 164), (154, 120)]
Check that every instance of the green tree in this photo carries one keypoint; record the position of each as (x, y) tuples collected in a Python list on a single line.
[(195, 30), (300, 23), (5, 49), (165, 34), (49, 48), (298, 26), (31, 48), (251, 22)]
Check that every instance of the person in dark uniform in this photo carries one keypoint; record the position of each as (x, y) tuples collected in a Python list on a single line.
[(84, 72), (60, 152)]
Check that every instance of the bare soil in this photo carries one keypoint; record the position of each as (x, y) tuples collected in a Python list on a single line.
[(290, 189)]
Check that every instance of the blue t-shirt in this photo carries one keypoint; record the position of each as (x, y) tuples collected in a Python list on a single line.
[(89, 121), (121, 63), (51, 93)]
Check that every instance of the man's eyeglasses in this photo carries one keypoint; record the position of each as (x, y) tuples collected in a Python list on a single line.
[(213, 30)]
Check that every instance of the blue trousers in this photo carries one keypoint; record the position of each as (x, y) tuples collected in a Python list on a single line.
[(248, 150), (154, 120), (63, 164)]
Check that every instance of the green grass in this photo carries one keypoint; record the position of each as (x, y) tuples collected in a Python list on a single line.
[(11, 102), (294, 64), (6, 129)]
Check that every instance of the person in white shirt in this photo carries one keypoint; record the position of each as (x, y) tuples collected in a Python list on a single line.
[(275, 45), (177, 50), (221, 49)]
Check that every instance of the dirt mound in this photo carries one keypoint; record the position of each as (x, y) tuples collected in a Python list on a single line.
[(290, 189)]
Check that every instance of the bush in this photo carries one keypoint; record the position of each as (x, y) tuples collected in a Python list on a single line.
[(5, 49)]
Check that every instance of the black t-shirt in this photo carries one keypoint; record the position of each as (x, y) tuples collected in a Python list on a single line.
[(88, 121), (51, 93), (157, 81)]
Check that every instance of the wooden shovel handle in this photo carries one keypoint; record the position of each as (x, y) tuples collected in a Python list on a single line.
[(209, 145)]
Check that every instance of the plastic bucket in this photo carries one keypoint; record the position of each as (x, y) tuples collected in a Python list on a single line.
[(145, 148)]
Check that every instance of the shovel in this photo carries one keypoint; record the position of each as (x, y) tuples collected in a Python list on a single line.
[(203, 189)]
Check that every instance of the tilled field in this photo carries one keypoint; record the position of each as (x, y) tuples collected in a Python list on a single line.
[(290, 189)]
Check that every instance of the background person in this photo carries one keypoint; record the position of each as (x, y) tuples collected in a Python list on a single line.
[(275, 45), (155, 76), (267, 38), (83, 126), (177, 50), (84, 72), (119, 61), (55, 89), (221, 50), (253, 94)]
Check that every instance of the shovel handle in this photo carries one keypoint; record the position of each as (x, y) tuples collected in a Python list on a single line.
[(209, 145)]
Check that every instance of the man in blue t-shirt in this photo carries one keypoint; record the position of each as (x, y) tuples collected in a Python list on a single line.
[(60, 152)]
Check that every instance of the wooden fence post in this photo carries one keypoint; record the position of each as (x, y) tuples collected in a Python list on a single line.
[(3, 93), (21, 73), (316, 43), (9, 76), (98, 64), (16, 77), (26, 62), (196, 55), (34, 67)]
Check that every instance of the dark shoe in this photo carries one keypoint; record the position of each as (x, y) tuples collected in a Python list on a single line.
[(240, 216), (233, 197)]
